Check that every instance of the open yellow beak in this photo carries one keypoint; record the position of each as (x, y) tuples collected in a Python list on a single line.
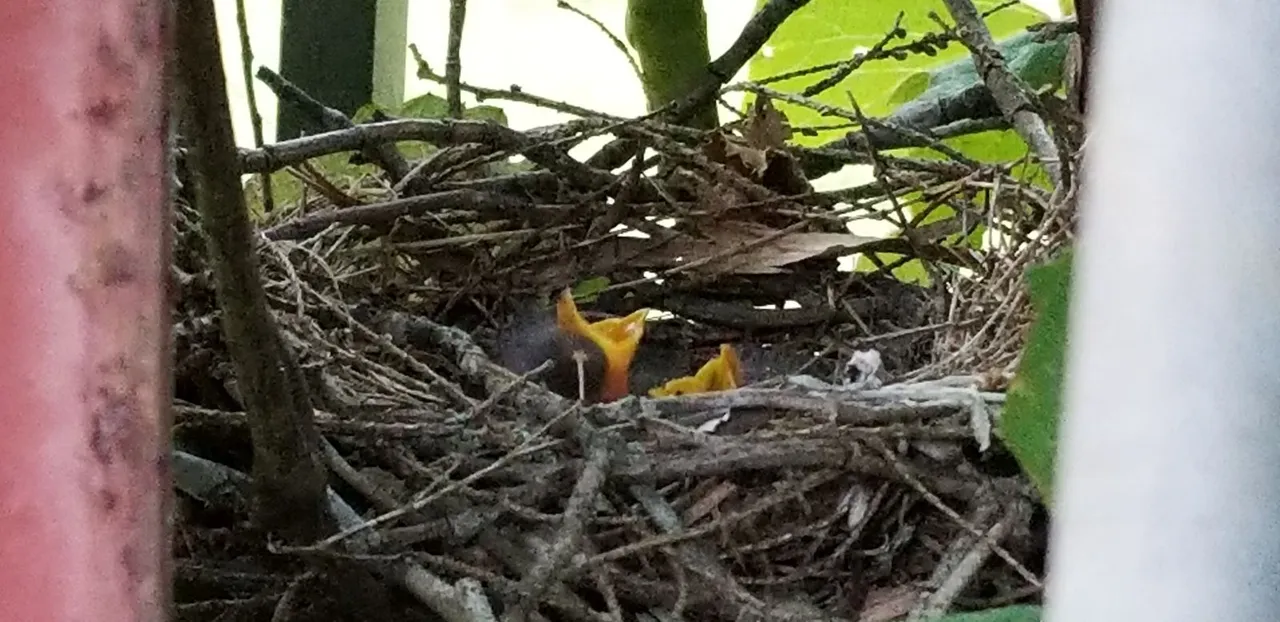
[(617, 338), (721, 373)]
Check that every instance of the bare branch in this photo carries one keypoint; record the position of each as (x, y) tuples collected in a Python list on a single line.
[(1011, 94)]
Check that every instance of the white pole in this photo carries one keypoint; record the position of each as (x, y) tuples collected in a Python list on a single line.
[(1169, 489)]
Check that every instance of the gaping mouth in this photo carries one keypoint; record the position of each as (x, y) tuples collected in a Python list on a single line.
[(617, 338)]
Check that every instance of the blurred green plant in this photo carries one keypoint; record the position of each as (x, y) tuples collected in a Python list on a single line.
[(1033, 406), (1014, 613), (831, 31), (587, 290)]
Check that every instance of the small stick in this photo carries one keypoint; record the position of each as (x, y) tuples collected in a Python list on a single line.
[(580, 358)]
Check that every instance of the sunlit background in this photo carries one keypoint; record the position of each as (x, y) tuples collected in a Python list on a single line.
[(546, 50)]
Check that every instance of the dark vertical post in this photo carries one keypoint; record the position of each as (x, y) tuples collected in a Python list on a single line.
[(327, 50)]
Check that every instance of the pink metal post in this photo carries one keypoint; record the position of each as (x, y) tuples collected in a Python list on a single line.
[(84, 320)]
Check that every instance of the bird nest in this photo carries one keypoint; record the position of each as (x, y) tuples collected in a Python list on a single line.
[(855, 476)]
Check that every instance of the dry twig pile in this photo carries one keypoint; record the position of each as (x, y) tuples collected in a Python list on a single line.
[(824, 490)]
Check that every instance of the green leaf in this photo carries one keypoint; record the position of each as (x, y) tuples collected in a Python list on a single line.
[(288, 191), (432, 106), (425, 106), (364, 114), (910, 88), (826, 31), (1013, 613), (912, 271), (588, 289), (486, 113), (1033, 406)]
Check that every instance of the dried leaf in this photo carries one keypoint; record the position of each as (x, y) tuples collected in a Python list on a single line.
[(760, 152), (733, 152), (755, 161), (724, 237), (769, 257), (766, 127), (784, 174)]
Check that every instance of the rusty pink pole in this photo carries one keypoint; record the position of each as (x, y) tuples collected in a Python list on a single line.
[(84, 326)]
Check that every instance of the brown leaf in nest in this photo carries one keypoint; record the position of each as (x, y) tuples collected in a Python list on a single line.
[(725, 148), (766, 127), (728, 236), (754, 161), (784, 175), (760, 152), (769, 257)]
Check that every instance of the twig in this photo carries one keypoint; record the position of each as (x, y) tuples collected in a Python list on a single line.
[(968, 554), (983, 535), (385, 214), (255, 117), (696, 557), (423, 500), (771, 501), (453, 61), (514, 94), (568, 540), (343, 469), (848, 67), (452, 389), (286, 608), (326, 118), (201, 478), (1009, 92), (436, 131), (754, 34), (622, 47)]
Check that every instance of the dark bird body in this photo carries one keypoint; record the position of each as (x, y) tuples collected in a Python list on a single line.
[(530, 342), (605, 349)]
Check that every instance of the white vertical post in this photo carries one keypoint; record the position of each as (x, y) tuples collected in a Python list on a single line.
[(1169, 489), (390, 50)]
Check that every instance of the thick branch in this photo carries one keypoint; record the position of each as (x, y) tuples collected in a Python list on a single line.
[(1086, 13), (288, 475), (435, 131), (1010, 94), (326, 118)]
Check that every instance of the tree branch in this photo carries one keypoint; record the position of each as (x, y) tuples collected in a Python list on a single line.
[(753, 37), (1010, 94), (453, 60), (386, 156), (435, 131), (288, 474)]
